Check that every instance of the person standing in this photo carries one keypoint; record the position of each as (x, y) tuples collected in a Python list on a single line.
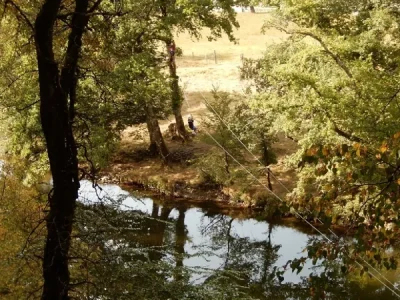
[(191, 124)]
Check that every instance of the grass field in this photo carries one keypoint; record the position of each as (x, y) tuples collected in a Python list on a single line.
[(251, 42), (197, 69)]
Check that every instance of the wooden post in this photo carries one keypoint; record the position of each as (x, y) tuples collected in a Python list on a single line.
[(241, 57), (215, 56)]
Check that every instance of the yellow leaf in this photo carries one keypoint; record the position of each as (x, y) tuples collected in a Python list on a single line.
[(312, 151), (396, 136), (398, 181), (384, 147), (357, 147), (325, 151)]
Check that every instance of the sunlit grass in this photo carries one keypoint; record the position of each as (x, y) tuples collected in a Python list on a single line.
[(251, 42)]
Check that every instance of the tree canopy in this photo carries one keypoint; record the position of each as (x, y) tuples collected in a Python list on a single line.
[(332, 86), (77, 73)]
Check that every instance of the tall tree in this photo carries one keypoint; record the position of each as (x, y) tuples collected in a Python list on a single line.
[(130, 55), (192, 16), (57, 112), (58, 31)]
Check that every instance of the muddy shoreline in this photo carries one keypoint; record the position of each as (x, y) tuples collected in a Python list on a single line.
[(215, 201)]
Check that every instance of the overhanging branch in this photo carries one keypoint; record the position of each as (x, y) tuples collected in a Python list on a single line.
[(336, 128), (21, 13), (335, 57), (346, 135), (28, 106)]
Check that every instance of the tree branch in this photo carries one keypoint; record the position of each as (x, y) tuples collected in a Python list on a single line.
[(104, 13), (27, 106), (291, 138), (21, 12), (28, 239), (336, 128), (15, 80), (346, 135), (390, 100), (91, 12), (95, 6), (335, 57)]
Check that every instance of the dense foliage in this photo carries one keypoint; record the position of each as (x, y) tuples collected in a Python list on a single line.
[(236, 127), (332, 86)]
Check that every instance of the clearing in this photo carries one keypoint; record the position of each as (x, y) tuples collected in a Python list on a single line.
[(203, 66)]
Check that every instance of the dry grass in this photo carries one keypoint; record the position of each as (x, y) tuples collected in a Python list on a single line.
[(197, 69), (251, 42)]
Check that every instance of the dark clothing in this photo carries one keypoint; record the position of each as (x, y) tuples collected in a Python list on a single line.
[(172, 49), (191, 124)]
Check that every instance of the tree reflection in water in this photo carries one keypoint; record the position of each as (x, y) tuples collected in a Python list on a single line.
[(132, 254)]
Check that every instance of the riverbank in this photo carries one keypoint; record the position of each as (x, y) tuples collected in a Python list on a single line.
[(132, 166), (171, 190)]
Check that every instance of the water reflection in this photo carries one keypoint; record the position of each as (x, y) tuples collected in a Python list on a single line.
[(187, 253)]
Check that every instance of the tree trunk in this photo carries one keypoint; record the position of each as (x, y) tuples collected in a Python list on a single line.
[(266, 158), (229, 239), (154, 211), (269, 179), (226, 159), (180, 240), (176, 97), (57, 114), (157, 143), (252, 9), (157, 230)]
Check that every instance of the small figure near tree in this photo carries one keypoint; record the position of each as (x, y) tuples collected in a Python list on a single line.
[(172, 51), (191, 124)]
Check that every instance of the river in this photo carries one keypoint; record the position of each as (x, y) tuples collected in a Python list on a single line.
[(211, 243)]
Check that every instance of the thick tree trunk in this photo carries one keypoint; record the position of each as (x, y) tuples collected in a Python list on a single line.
[(57, 114), (176, 98), (157, 230), (157, 143), (154, 211), (180, 240), (252, 9)]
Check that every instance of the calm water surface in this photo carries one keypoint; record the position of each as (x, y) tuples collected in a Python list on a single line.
[(215, 241)]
